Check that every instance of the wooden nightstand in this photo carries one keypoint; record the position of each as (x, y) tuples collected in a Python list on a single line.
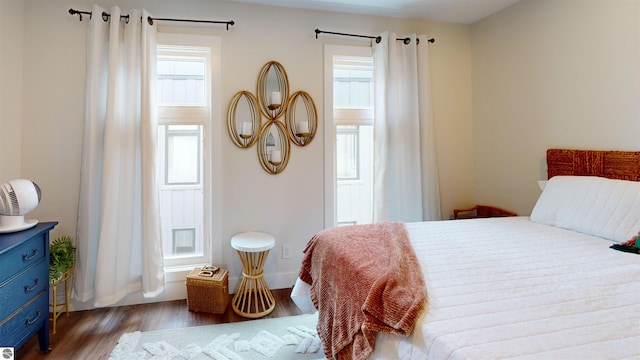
[(481, 211)]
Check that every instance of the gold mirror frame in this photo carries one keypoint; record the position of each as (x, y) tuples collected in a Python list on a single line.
[(301, 133), (241, 138), (281, 144), (267, 87)]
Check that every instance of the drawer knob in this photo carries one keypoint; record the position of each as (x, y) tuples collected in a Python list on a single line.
[(27, 288), (33, 320), (26, 257)]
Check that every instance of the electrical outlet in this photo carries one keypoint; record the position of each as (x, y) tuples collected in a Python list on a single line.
[(286, 251)]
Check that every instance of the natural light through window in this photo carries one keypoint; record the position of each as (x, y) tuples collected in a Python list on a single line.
[(183, 149), (184, 117), (181, 81), (353, 119)]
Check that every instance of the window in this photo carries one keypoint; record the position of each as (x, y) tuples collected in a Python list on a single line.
[(188, 148), (182, 157), (350, 135), (181, 80), (184, 241), (347, 154)]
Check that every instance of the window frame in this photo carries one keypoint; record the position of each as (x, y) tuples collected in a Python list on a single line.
[(331, 119), (210, 116)]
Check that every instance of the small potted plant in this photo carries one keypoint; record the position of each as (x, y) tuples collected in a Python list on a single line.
[(62, 256)]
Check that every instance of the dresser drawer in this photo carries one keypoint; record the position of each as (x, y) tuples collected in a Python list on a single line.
[(19, 290), (19, 328), (22, 256), (24, 286)]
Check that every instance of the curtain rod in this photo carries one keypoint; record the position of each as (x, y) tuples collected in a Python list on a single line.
[(150, 20), (378, 38)]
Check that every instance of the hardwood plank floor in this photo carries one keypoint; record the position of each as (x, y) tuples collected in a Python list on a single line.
[(92, 334)]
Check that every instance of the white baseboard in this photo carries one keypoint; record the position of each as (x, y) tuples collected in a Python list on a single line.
[(175, 289)]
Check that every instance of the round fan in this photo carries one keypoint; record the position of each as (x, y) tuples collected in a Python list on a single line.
[(17, 197)]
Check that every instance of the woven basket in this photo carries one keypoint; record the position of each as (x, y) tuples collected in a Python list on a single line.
[(208, 291)]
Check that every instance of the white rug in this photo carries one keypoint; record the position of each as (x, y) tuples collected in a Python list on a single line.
[(284, 338)]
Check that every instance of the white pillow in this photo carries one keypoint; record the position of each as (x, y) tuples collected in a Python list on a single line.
[(593, 205)]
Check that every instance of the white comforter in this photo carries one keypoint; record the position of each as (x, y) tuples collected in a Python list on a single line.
[(509, 288)]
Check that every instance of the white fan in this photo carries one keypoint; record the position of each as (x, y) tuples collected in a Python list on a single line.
[(17, 197)]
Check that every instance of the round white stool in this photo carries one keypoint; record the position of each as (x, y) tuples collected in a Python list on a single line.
[(253, 298)]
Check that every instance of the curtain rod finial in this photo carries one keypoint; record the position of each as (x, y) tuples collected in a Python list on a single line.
[(72, 11)]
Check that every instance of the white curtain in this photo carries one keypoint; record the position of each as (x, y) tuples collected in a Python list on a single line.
[(118, 234), (405, 168)]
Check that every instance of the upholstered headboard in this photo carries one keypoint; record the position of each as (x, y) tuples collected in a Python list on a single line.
[(610, 164)]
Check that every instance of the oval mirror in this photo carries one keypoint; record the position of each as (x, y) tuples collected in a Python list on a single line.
[(273, 147), (301, 118), (243, 119), (273, 90)]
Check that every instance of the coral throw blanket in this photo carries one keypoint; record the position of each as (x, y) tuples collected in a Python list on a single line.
[(364, 279)]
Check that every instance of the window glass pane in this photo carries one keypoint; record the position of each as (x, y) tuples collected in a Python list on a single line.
[(354, 175), (183, 154), (353, 83), (353, 101), (184, 241), (347, 152), (181, 81), (181, 197)]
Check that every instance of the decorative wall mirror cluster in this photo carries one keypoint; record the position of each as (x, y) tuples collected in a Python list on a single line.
[(273, 100)]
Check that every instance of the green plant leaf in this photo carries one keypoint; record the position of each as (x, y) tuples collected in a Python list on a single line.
[(61, 257)]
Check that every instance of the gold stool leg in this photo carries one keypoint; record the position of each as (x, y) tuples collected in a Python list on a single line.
[(253, 298), (55, 307), (66, 297)]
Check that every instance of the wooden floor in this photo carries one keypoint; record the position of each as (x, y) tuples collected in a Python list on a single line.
[(92, 334)]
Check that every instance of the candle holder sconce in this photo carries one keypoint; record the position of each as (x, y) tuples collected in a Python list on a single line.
[(273, 147), (301, 118), (273, 90), (243, 119), (274, 137)]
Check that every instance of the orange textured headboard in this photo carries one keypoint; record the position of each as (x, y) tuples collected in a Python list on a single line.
[(623, 165)]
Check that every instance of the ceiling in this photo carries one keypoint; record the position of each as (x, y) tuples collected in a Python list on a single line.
[(454, 11)]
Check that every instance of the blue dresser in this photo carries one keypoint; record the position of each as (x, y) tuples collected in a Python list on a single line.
[(24, 286)]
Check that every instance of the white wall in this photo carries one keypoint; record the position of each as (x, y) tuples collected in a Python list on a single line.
[(450, 58), (288, 205), (551, 73), (11, 36)]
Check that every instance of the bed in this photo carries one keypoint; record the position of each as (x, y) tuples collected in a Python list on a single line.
[(544, 286)]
